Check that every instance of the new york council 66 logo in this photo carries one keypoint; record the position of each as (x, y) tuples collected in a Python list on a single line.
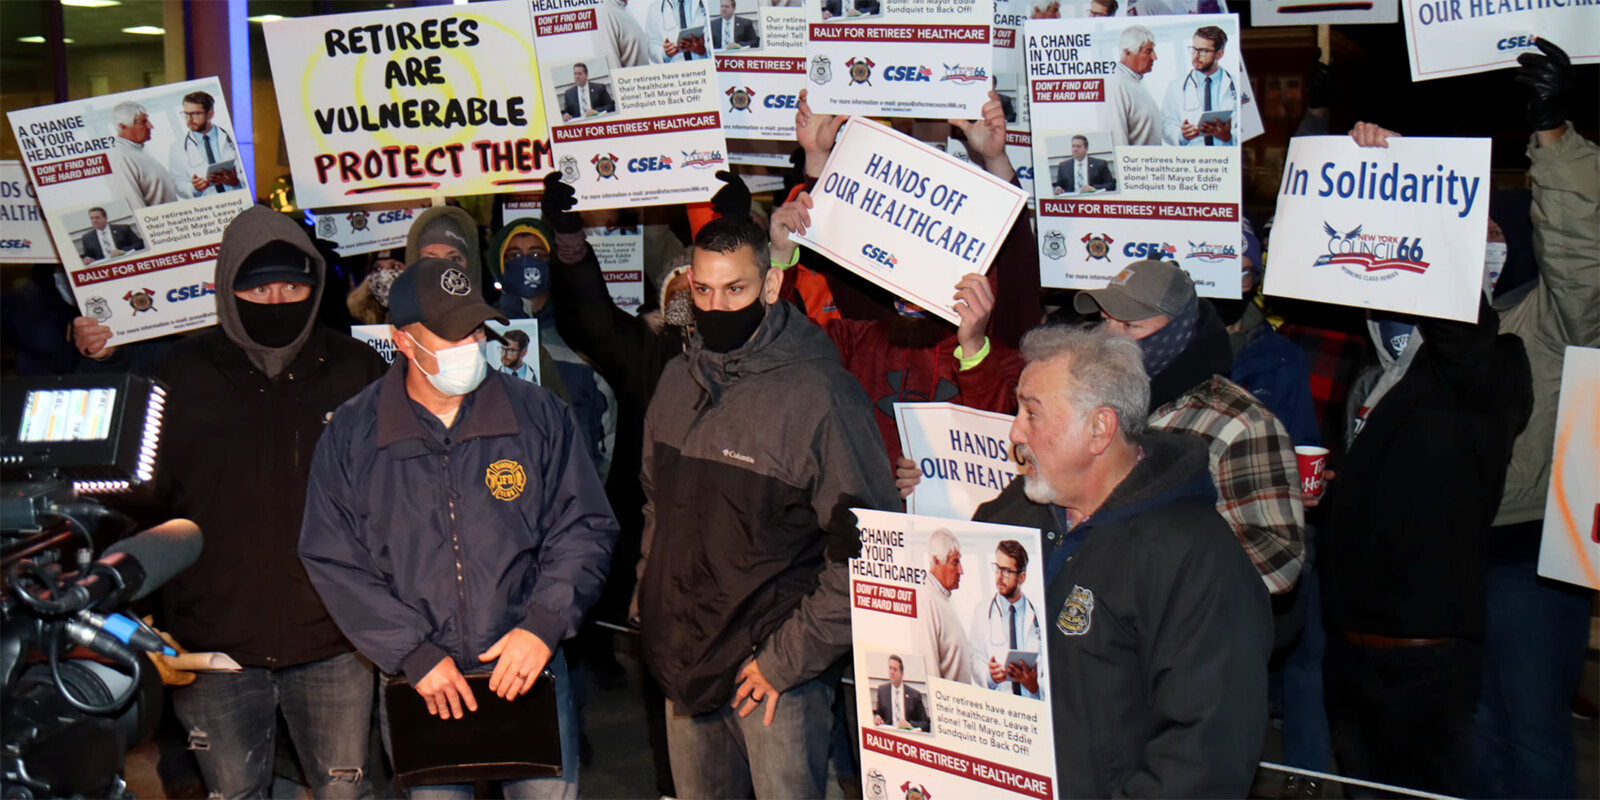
[(1372, 256)]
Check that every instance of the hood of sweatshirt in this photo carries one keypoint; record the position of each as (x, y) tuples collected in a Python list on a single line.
[(253, 229)]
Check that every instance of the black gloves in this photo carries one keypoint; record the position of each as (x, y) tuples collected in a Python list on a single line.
[(733, 199), (1319, 86), (1548, 78), (559, 198)]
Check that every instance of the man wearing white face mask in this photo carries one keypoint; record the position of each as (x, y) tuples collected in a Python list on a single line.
[(455, 523)]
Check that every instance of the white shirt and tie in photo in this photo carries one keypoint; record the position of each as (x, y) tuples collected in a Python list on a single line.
[(1195, 95), (1005, 626), (193, 156)]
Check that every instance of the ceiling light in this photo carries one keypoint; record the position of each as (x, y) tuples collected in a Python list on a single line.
[(91, 3), (146, 30), (37, 40), (260, 18)]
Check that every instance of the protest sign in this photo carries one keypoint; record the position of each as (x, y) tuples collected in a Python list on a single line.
[(521, 362), (934, 721), (902, 58), (1322, 12), (761, 66), (136, 188), (409, 103), (354, 231), (1399, 229), (906, 216), (26, 239), (1136, 127), (620, 251), (634, 109), (1570, 551), (965, 455), (1460, 37)]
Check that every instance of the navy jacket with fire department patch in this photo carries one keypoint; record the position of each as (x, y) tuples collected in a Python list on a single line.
[(426, 542), (1159, 630)]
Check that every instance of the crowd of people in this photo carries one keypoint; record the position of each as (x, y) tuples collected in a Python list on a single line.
[(455, 526)]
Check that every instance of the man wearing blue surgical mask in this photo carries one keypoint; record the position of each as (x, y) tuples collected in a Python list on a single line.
[(443, 457)]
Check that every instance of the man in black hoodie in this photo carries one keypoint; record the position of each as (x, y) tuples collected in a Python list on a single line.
[(248, 401), (1158, 628)]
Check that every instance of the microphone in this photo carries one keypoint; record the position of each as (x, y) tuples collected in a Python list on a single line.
[(134, 567)]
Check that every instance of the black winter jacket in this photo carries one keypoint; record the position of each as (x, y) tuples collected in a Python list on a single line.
[(1159, 633), (752, 461)]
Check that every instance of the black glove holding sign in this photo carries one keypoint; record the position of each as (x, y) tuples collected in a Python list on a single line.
[(559, 198), (1548, 78)]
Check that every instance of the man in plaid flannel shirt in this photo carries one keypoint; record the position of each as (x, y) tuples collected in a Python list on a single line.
[(1186, 350)]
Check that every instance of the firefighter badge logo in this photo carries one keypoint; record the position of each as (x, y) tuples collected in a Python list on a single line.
[(1075, 613), (505, 479), (860, 70)]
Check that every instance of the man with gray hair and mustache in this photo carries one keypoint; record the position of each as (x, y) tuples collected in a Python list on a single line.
[(1158, 626), (143, 180), (939, 633)]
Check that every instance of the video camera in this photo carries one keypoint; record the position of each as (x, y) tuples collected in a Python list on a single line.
[(78, 689)]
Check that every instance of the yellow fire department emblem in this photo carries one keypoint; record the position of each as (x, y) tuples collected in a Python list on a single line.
[(505, 479)]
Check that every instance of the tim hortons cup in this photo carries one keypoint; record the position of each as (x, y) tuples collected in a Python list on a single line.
[(1311, 460)]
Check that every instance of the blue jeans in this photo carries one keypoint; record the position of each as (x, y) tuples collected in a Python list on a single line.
[(1537, 632), (720, 755), (233, 721), (564, 787), (1306, 741)]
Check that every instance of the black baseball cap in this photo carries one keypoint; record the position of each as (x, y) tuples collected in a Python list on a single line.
[(275, 262), (441, 295)]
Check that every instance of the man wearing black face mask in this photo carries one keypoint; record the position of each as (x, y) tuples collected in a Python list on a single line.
[(248, 402), (757, 443)]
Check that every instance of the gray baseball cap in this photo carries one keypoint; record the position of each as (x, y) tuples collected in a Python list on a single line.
[(1142, 290)]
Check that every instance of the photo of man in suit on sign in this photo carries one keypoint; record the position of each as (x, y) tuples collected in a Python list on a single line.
[(585, 99), (1081, 173), (896, 704), (103, 240), (743, 31)]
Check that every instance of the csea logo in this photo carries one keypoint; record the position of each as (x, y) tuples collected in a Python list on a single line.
[(701, 159), (1151, 250), (781, 101), (1212, 252), (879, 255), (650, 164), (964, 74), (1360, 254), (1515, 42), (15, 244), (912, 74), (191, 292), (398, 215)]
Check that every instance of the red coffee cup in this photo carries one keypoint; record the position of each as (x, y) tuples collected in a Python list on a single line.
[(1311, 461)]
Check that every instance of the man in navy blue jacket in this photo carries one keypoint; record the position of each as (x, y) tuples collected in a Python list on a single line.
[(455, 522)]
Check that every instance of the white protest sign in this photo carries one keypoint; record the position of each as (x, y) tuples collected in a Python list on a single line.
[(633, 124), (933, 719), (1570, 550), (900, 58), (908, 217), (1264, 13), (354, 231), (135, 206), (1460, 37), (965, 455), (1136, 130), (522, 363), (1391, 229), (620, 251), (761, 66), (409, 103), (26, 239)]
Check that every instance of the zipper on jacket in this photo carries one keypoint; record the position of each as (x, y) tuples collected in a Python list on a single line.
[(455, 543)]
